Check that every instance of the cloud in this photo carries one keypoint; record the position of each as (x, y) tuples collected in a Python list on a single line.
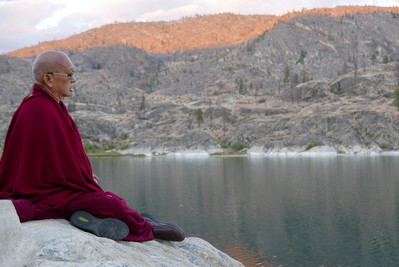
[(16, 16), (170, 14)]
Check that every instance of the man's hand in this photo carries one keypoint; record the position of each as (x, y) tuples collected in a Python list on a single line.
[(95, 178)]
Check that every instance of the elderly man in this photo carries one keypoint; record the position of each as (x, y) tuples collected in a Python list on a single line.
[(46, 173)]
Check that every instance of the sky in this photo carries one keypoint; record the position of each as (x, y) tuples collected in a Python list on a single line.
[(27, 22)]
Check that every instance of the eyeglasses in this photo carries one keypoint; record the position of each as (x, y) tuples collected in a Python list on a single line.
[(69, 75)]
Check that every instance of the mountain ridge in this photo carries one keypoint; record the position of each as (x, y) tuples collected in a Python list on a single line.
[(312, 81), (208, 31)]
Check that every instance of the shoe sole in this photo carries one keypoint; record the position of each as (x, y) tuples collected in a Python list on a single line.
[(103, 227)]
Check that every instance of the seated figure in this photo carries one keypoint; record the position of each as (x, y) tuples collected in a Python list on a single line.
[(46, 173)]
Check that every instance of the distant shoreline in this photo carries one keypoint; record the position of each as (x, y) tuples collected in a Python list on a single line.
[(252, 152)]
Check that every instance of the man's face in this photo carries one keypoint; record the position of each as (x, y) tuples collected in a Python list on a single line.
[(62, 85)]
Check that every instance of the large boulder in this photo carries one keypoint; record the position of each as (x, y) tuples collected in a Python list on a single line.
[(13, 248), (58, 243)]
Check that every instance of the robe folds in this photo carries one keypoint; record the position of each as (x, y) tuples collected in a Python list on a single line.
[(44, 162)]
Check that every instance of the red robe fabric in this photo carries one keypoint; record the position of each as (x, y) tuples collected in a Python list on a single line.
[(45, 171), (43, 158)]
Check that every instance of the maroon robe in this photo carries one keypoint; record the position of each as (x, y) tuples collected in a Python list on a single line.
[(44, 162)]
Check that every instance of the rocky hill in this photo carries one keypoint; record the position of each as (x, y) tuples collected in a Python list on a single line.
[(312, 80), (188, 33)]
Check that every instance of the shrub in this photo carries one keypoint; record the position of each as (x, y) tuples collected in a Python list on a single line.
[(109, 147), (89, 148), (199, 115), (311, 145), (237, 146), (302, 57), (385, 59), (124, 136), (384, 146), (228, 69), (123, 147), (222, 145)]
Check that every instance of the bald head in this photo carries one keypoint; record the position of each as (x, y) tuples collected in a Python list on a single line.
[(49, 61)]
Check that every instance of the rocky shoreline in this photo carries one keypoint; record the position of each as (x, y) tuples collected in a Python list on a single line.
[(254, 151)]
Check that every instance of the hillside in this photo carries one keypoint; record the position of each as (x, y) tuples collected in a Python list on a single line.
[(186, 34), (311, 80)]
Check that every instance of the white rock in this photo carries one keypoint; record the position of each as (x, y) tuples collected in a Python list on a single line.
[(58, 243), (10, 234)]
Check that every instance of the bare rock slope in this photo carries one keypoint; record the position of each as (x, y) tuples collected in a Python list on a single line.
[(313, 80)]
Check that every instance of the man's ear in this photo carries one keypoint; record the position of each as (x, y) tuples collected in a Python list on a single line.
[(48, 80)]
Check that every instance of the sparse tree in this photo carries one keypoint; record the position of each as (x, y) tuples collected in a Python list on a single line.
[(286, 77), (396, 93), (353, 60), (209, 113), (142, 104), (396, 97), (355, 52), (225, 120), (258, 87), (373, 58), (240, 86), (295, 79), (190, 123), (199, 116), (220, 85), (345, 68), (301, 59), (298, 95), (397, 73)]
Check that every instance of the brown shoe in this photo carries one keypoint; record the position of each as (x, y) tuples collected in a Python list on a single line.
[(164, 230)]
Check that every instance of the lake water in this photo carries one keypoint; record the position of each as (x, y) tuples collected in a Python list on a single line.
[(271, 211)]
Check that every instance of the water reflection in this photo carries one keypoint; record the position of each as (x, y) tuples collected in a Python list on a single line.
[(270, 211)]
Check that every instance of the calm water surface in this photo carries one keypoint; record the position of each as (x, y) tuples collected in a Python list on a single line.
[(271, 211)]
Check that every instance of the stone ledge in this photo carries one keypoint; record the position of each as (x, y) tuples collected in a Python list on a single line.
[(58, 243)]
